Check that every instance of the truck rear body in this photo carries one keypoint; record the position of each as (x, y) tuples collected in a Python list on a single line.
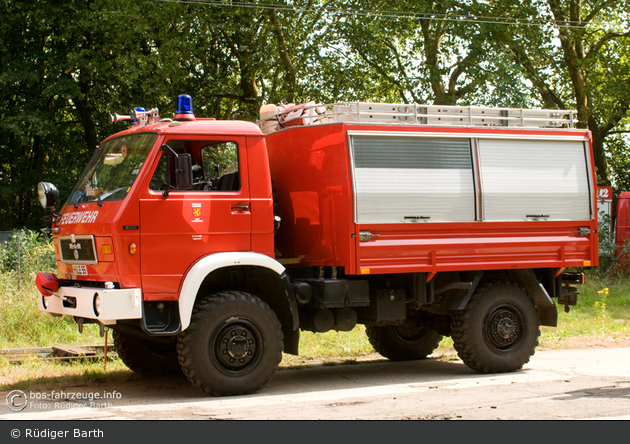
[(354, 196)]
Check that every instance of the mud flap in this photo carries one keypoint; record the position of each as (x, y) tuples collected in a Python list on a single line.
[(546, 307)]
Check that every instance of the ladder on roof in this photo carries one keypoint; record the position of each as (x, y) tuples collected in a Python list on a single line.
[(363, 112)]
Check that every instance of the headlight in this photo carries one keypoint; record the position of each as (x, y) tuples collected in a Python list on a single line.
[(48, 194), (97, 304)]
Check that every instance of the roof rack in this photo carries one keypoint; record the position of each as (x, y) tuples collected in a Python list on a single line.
[(274, 118)]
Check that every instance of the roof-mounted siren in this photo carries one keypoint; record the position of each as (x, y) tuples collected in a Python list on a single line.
[(115, 118), (137, 115), (184, 108), (141, 117)]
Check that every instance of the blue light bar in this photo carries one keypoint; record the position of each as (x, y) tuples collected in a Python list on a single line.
[(184, 104), (139, 110)]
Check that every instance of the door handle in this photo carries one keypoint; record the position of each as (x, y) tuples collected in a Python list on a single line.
[(365, 236), (241, 207), (583, 231), (537, 216)]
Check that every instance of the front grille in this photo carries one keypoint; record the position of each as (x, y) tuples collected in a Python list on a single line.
[(78, 250)]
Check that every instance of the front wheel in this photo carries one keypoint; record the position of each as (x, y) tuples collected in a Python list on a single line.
[(498, 331), (233, 345)]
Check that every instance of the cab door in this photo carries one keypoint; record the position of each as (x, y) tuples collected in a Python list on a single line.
[(214, 216)]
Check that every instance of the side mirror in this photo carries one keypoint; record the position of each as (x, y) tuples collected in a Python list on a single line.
[(183, 174), (183, 170)]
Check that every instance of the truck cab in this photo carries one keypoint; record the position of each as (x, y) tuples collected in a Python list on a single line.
[(132, 223)]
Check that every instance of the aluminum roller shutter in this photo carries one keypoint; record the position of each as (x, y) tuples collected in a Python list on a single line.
[(398, 177), (534, 177)]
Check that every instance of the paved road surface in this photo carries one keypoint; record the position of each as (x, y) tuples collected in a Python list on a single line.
[(561, 384)]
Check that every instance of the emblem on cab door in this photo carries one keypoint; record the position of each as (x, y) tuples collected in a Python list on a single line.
[(196, 212)]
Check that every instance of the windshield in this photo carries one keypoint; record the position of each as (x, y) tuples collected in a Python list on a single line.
[(113, 169)]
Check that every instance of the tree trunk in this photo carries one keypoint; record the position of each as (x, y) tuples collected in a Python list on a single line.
[(85, 114), (599, 154), (290, 72)]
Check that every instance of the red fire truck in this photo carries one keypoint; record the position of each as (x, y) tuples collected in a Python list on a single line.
[(616, 225), (206, 246), (621, 231)]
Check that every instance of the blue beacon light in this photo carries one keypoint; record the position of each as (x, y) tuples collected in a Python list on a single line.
[(139, 110), (184, 108)]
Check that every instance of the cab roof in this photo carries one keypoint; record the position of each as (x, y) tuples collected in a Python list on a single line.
[(198, 127)]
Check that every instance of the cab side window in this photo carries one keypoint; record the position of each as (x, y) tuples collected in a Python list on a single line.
[(220, 166), (215, 166)]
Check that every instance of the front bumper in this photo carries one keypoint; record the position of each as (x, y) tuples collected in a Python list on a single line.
[(79, 302)]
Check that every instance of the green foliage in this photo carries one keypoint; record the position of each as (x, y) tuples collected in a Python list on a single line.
[(35, 253), (601, 316), (618, 156), (609, 252), (65, 65)]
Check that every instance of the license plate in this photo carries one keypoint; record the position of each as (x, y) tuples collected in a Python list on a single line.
[(80, 270)]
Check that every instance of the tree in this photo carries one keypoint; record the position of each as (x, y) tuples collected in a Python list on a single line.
[(421, 49), (34, 114), (65, 65), (588, 70)]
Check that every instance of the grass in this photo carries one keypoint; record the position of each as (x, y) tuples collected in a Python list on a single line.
[(601, 318), (25, 326), (39, 373)]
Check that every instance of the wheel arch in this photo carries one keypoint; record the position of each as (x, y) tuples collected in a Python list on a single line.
[(526, 278), (245, 271)]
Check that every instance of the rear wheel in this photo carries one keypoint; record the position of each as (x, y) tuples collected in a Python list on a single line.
[(403, 342), (145, 356), (233, 345), (498, 331)]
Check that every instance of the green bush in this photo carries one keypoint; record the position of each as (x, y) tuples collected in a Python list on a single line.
[(36, 253), (23, 325)]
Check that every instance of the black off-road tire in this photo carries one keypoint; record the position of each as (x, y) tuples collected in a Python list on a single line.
[(147, 357), (403, 342), (233, 345), (498, 331)]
